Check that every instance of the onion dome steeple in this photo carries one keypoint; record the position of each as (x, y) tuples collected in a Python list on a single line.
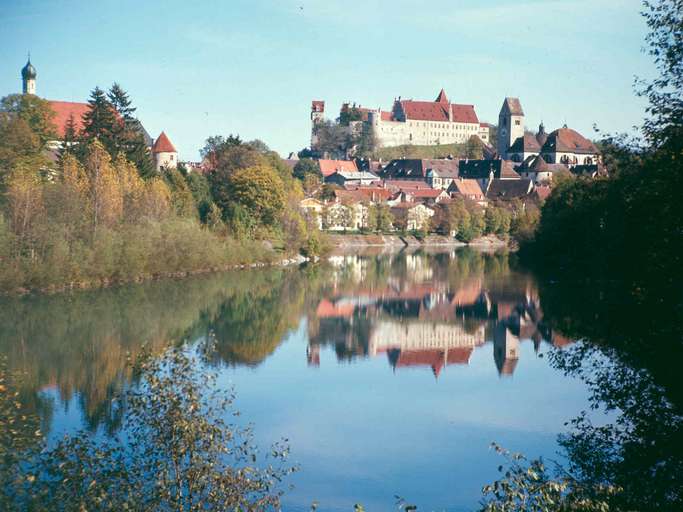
[(28, 77), (28, 72)]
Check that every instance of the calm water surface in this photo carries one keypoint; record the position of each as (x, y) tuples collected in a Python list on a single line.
[(389, 374)]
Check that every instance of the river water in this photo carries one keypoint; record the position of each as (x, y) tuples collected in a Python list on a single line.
[(389, 374)]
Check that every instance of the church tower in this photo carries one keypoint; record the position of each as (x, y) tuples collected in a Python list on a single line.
[(317, 115), (510, 125), (28, 78)]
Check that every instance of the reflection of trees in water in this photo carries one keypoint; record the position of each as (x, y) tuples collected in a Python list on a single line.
[(81, 343), (630, 361)]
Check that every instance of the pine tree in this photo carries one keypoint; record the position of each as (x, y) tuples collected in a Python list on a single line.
[(70, 138), (129, 135), (100, 121), (121, 102)]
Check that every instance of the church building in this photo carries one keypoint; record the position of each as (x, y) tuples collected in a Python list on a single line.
[(163, 151), (562, 146)]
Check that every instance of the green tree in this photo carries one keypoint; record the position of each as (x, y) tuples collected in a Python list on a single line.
[(259, 190), (332, 139), (35, 111), (68, 146), (100, 121), (129, 135), (474, 149)]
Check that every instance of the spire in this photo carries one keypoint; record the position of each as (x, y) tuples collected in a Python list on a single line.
[(28, 77), (442, 98), (163, 145)]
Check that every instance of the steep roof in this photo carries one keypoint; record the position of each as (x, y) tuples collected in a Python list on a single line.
[(438, 111), (468, 188), (442, 98), (329, 167), (566, 140), (513, 106), (65, 109), (163, 145), (539, 164), (481, 169), (419, 168), (318, 106), (527, 143), (509, 189)]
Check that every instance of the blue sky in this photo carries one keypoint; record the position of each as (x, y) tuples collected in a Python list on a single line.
[(252, 67)]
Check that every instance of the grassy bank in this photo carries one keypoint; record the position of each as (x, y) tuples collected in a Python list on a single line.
[(166, 248)]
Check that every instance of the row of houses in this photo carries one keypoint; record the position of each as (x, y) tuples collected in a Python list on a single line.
[(412, 189)]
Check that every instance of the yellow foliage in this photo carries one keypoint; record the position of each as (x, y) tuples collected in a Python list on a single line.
[(157, 199)]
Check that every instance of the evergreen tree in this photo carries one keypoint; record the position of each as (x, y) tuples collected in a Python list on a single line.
[(121, 102), (129, 135), (100, 121), (70, 138)]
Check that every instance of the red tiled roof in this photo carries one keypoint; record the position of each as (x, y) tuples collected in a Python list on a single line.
[(318, 106), (329, 167), (464, 113), (468, 188), (442, 98), (163, 145), (63, 110), (425, 192), (566, 140), (372, 193), (386, 116)]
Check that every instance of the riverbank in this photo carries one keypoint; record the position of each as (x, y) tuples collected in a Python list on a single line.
[(339, 241)]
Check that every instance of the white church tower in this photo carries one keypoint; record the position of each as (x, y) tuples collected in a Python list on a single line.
[(510, 125), (28, 78)]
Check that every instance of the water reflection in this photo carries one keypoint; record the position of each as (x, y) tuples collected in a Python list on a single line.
[(417, 311)]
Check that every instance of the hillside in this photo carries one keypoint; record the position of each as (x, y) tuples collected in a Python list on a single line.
[(410, 151)]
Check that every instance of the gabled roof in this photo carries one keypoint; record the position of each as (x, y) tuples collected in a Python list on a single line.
[(468, 188), (442, 98), (509, 189), (526, 144), (318, 106), (356, 175), (539, 164), (438, 111), (163, 145), (481, 169), (566, 140), (65, 109), (419, 168), (513, 107), (329, 167)]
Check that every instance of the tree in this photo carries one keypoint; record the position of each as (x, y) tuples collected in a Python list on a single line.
[(201, 192), (176, 431), (332, 139), (259, 190), (664, 18), (129, 135), (70, 138), (474, 149), (100, 121), (35, 111), (380, 218), (19, 145), (104, 191), (182, 199), (306, 167), (365, 141)]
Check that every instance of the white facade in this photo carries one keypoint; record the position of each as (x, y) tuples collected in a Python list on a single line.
[(421, 133), (165, 160)]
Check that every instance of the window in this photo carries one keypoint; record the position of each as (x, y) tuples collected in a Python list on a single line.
[(517, 122)]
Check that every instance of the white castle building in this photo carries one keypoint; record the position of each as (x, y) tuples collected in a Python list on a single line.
[(414, 122)]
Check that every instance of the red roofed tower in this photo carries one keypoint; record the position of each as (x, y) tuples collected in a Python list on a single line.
[(164, 153)]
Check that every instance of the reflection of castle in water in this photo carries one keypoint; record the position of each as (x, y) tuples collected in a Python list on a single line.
[(419, 321)]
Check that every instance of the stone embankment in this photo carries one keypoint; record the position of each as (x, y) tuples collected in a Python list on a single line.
[(398, 242)]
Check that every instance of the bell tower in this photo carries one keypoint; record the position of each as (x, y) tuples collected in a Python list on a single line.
[(510, 125), (28, 78)]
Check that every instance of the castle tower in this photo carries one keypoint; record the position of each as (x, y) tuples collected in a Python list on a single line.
[(317, 115), (164, 153), (28, 78), (510, 125)]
